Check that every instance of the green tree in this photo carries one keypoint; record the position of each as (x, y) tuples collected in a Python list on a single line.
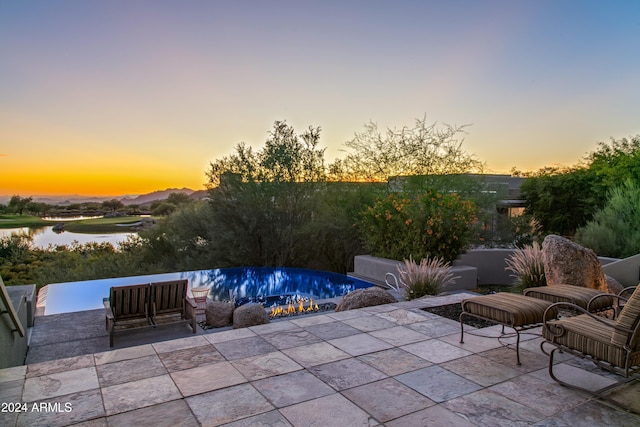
[(19, 204), (112, 205), (262, 201), (615, 229), (561, 200), (419, 225)]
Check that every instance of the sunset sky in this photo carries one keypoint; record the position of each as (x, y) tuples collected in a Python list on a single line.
[(127, 97)]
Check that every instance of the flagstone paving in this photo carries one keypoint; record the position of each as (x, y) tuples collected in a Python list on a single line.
[(394, 365)]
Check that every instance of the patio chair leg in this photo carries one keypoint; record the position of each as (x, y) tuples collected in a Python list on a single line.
[(461, 329), (598, 394)]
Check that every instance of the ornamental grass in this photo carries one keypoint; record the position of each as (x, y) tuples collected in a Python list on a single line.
[(429, 277), (527, 266)]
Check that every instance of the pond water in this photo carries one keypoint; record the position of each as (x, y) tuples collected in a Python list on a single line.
[(267, 285), (45, 236)]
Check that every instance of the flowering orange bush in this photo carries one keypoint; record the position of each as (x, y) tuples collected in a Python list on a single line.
[(424, 225)]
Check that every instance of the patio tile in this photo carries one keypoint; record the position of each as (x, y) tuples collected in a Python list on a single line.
[(399, 335), (265, 365), (245, 347), (277, 326), (383, 308), (59, 384), (402, 317), (292, 388), (170, 414), (507, 357), (435, 328), (207, 378), (190, 358), (13, 373), (11, 391), (348, 314), (472, 343), (315, 354), (434, 416), (437, 383), (487, 408), (123, 354), (575, 376), (234, 334), (387, 399), (331, 330), (59, 365), (369, 323), (347, 373), (139, 394), (269, 419), (129, 370), (627, 394), (436, 351), (360, 344), (325, 411), (542, 396), (228, 404), (179, 344), (291, 338), (591, 414), (394, 361), (480, 370), (318, 319), (71, 409)]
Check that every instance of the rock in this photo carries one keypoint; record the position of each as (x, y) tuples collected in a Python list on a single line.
[(365, 298), (219, 314), (249, 315), (568, 263), (613, 285)]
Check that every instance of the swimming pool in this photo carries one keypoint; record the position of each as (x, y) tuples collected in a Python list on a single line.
[(267, 285)]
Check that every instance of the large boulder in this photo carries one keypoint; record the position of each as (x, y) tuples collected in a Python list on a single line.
[(568, 263), (365, 298), (219, 313), (249, 315)]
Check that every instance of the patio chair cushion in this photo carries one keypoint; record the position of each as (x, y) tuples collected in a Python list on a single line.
[(588, 336), (577, 295), (507, 308), (628, 318)]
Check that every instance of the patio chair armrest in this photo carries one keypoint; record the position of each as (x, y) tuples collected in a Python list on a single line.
[(107, 309), (559, 330), (625, 290)]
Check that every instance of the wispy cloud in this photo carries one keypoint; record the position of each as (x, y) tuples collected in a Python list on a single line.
[(4, 155)]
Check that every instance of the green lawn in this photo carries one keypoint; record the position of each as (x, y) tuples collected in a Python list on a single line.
[(121, 224), (18, 221)]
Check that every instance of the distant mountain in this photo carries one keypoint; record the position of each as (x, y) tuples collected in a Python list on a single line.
[(156, 195), (141, 199)]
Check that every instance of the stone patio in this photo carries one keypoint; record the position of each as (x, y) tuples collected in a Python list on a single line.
[(393, 365)]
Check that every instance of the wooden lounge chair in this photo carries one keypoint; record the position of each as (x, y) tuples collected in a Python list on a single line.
[(613, 345), (127, 307), (169, 303)]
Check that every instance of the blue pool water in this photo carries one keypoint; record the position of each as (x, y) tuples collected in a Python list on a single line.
[(267, 285)]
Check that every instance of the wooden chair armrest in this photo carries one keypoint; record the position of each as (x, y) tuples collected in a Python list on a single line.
[(107, 309)]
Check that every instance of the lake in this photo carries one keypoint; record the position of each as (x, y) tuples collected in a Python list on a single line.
[(45, 236)]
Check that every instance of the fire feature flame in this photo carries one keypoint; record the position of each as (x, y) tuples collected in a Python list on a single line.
[(290, 309)]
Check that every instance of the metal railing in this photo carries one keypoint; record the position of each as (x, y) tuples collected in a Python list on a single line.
[(10, 311)]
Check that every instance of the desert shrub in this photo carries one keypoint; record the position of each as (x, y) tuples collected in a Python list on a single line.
[(422, 225), (429, 277), (615, 229), (527, 266)]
